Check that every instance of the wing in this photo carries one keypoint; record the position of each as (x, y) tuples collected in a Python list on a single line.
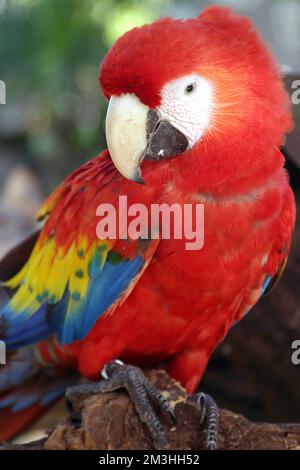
[(279, 255), (71, 276), (275, 261), (271, 281), (17, 257)]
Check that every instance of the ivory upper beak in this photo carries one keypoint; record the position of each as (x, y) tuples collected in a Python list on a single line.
[(126, 134)]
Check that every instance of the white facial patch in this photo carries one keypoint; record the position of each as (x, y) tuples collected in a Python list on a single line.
[(187, 104)]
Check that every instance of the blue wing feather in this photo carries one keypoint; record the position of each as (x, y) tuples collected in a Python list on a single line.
[(107, 283), (103, 291)]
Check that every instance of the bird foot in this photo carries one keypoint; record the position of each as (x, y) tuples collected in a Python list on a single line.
[(118, 375), (209, 412)]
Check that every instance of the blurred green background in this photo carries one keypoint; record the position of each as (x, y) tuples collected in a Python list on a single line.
[(50, 52)]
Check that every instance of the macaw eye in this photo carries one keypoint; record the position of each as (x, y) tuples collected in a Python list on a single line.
[(190, 88)]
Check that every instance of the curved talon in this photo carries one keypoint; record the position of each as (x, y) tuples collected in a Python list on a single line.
[(201, 402), (118, 375), (209, 411)]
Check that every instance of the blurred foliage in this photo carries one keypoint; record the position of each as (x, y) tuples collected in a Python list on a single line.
[(50, 52)]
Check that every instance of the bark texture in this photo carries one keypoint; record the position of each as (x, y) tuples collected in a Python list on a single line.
[(110, 422)]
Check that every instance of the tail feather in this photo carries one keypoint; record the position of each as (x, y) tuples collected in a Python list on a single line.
[(21, 366), (21, 406), (43, 392), (12, 424), (28, 390)]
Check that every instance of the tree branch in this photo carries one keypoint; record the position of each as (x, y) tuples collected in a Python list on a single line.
[(109, 422)]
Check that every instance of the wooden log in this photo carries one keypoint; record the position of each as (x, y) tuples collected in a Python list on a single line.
[(110, 422)]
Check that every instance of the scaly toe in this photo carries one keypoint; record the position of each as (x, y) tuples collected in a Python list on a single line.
[(209, 412)]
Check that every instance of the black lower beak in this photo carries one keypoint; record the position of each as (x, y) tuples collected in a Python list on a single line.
[(164, 140)]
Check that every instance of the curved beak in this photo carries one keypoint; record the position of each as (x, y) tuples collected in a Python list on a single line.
[(134, 132)]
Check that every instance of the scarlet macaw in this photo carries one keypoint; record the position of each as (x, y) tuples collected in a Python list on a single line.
[(197, 112)]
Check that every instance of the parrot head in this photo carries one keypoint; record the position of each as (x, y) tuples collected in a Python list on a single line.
[(203, 95)]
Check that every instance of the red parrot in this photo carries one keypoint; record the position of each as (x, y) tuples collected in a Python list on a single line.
[(197, 113)]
